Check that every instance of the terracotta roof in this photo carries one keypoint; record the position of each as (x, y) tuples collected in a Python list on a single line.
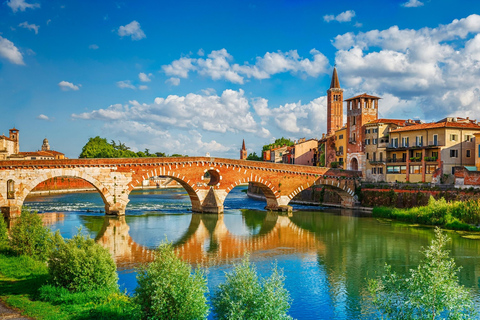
[(6, 138), (335, 84), (364, 95), (433, 125), (50, 153), (398, 122)]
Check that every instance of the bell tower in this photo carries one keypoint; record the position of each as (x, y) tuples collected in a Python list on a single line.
[(334, 105), (243, 151)]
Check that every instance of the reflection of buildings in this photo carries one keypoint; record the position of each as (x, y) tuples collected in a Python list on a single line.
[(207, 240), (50, 218)]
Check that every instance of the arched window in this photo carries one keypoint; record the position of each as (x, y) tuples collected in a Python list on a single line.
[(10, 189)]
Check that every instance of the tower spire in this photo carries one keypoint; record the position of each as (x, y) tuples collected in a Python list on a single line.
[(335, 83)]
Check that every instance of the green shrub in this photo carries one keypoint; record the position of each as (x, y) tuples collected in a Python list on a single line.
[(29, 237), (3, 233), (79, 264), (168, 290), (243, 296), (431, 290)]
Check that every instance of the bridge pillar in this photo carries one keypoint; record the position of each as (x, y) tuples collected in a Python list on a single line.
[(280, 204), (117, 209), (211, 201)]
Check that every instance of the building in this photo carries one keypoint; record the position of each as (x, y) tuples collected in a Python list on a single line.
[(376, 142), (302, 152), (341, 147), (9, 145), (334, 105), (418, 152), (243, 151), (275, 154)]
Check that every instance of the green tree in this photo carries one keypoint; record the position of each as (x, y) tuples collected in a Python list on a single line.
[(431, 291), (254, 157), (244, 296), (99, 148), (279, 142), (29, 237), (79, 264), (3, 234), (168, 290)]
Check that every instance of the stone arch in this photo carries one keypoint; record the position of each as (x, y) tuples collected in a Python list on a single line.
[(44, 176), (266, 186), (344, 191), (192, 193), (353, 165)]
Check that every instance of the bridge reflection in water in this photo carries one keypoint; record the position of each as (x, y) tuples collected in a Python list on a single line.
[(207, 240)]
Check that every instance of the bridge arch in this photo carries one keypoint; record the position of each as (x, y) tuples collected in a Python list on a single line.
[(266, 186), (194, 197), (28, 186)]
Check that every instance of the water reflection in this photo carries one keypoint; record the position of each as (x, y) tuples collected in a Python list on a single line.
[(207, 240)]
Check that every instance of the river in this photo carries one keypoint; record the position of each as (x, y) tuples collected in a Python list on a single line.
[(327, 255)]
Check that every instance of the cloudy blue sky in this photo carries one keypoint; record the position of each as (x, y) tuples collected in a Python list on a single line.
[(193, 77)]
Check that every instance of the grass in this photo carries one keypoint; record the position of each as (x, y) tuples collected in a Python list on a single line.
[(457, 215), (24, 285)]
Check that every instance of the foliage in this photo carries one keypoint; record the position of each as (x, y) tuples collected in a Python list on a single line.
[(279, 142), (431, 290), (244, 296), (3, 234), (459, 215), (168, 290), (99, 148), (79, 264), (178, 155), (29, 237), (254, 157)]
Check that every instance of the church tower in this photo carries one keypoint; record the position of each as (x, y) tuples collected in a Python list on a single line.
[(334, 105), (45, 145), (243, 151)]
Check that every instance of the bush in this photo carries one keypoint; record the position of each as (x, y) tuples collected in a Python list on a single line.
[(168, 290), (3, 234), (431, 290), (29, 237), (243, 296), (79, 264)]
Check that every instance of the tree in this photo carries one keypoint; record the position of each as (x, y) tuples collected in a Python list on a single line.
[(99, 148), (254, 157), (279, 142), (3, 233), (79, 264), (244, 296), (430, 291), (29, 237), (168, 290)]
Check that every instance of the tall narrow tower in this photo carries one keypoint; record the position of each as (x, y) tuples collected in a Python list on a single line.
[(334, 105), (14, 137), (243, 151)]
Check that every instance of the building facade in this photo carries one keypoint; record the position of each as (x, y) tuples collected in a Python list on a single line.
[(9, 145)]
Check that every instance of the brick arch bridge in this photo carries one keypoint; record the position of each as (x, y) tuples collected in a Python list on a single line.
[(116, 178)]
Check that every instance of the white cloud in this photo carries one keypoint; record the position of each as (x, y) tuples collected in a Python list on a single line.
[(21, 5), (66, 86), (43, 117), (133, 30), (93, 47), (48, 21), (10, 52), (412, 4), (430, 70), (144, 77), (143, 87), (200, 52), (345, 16), (33, 27), (218, 65), (126, 84), (173, 81)]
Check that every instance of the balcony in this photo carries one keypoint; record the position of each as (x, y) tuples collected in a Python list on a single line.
[(373, 162), (351, 140), (339, 153), (395, 160)]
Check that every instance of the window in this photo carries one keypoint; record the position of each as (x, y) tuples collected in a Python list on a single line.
[(374, 141), (340, 137), (468, 153), (380, 170), (10, 189), (405, 142), (374, 156), (435, 139), (367, 156), (468, 137), (353, 120), (394, 143), (430, 169), (419, 141), (396, 169), (418, 155), (435, 154), (367, 141), (381, 156), (453, 153), (340, 160), (404, 157), (394, 157), (375, 130), (415, 169), (374, 170), (453, 137)]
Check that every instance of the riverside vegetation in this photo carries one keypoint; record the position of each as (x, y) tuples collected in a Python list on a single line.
[(48, 277), (455, 215)]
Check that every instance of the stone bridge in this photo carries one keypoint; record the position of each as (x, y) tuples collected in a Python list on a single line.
[(206, 180)]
